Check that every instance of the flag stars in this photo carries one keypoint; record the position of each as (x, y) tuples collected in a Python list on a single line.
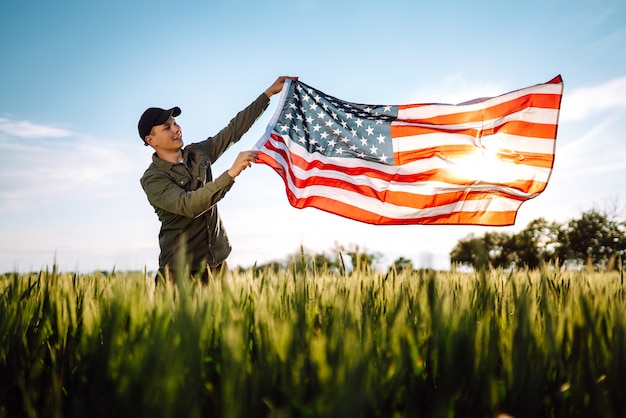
[(336, 129)]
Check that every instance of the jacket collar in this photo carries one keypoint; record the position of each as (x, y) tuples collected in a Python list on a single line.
[(166, 165)]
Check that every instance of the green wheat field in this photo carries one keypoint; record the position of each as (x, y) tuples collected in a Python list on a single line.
[(544, 343)]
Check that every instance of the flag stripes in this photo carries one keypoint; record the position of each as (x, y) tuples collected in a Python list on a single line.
[(473, 163)]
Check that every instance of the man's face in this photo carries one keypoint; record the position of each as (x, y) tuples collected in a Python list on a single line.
[(166, 137)]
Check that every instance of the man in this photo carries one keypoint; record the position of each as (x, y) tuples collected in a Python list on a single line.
[(181, 188)]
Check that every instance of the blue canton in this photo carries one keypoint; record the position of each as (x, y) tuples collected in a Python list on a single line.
[(335, 128)]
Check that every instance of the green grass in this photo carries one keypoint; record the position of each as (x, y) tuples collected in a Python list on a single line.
[(425, 344)]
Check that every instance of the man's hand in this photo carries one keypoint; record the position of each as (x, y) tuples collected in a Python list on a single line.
[(244, 160), (278, 85)]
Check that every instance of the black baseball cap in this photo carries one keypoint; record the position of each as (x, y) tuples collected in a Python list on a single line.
[(154, 116)]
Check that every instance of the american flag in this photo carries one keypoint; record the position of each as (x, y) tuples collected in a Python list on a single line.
[(471, 163)]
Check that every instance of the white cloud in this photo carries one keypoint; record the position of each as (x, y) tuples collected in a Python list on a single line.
[(78, 168), (25, 129), (585, 102)]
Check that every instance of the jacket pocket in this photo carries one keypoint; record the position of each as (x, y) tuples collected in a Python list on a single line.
[(183, 181)]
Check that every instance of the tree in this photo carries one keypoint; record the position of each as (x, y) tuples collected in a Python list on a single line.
[(361, 260), (536, 243), (470, 251), (402, 264), (595, 239)]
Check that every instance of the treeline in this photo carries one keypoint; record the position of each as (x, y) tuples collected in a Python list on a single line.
[(596, 240)]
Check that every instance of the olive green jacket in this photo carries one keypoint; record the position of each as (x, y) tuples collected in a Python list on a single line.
[(184, 197)]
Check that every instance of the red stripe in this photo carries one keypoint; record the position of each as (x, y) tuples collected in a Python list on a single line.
[(459, 151), (536, 100), (519, 128), (359, 214), (441, 175), (399, 198)]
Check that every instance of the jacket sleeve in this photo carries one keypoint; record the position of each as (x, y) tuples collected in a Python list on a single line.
[(164, 193), (215, 146)]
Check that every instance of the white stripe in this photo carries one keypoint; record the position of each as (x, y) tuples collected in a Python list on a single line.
[(495, 143), (432, 110), (496, 204), (483, 177), (529, 114)]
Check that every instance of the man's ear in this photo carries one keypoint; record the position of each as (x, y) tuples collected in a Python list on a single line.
[(148, 140)]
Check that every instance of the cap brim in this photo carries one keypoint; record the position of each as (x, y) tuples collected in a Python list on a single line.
[(173, 112)]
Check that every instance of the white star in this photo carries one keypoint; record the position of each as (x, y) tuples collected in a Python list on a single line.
[(309, 119), (325, 106), (296, 129), (359, 123), (298, 87), (321, 115), (383, 158), (373, 149), (344, 124), (332, 143), (363, 141), (317, 98), (381, 139), (379, 122), (344, 139), (368, 109), (353, 132), (334, 115), (306, 97), (329, 123), (299, 117), (313, 106), (289, 116), (387, 109), (339, 151), (284, 128), (353, 147), (324, 135), (319, 148), (312, 141), (370, 130), (302, 139), (348, 115), (316, 128), (361, 155), (337, 131)]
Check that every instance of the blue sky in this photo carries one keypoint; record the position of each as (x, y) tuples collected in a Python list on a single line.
[(76, 76)]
